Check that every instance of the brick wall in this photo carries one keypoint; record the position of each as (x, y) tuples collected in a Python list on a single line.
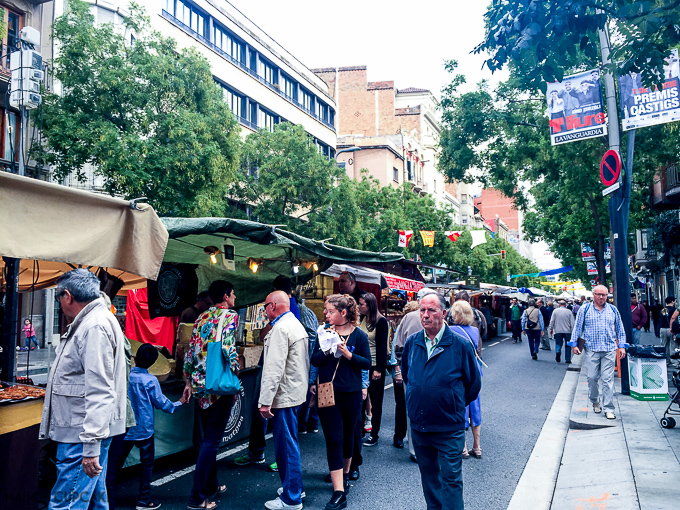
[(493, 203)]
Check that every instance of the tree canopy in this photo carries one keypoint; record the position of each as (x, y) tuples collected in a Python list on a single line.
[(147, 116)]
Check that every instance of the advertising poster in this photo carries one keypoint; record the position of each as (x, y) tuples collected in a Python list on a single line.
[(588, 252), (641, 107), (575, 108)]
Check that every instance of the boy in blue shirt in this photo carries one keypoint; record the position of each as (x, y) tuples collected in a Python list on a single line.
[(145, 394)]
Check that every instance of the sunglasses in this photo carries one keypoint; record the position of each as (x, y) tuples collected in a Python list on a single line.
[(267, 304)]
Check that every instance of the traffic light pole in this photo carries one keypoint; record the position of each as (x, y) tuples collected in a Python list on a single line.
[(619, 204)]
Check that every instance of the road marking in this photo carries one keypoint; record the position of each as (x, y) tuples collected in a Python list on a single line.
[(191, 469), (389, 386), (495, 343)]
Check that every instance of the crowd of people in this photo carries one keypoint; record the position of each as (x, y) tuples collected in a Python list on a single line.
[(333, 373)]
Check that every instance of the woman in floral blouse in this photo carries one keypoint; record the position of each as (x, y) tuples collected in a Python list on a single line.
[(213, 410)]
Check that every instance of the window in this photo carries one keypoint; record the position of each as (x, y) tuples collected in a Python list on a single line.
[(644, 239), (395, 175), (463, 199), (331, 119), (10, 138), (288, 87), (13, 26), (265, 120), (253, 113), (267, 71), (188, 15), (435, 186), (321, 110), (227, 43), (305, 99), (234, 101), (408, 170), (465, 219)]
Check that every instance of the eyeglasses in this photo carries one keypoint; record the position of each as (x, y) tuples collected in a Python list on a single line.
[(267, 304), (599, 294), (61, 294)]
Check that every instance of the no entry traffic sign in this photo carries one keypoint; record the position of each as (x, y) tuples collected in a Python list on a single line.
[(610, 167)]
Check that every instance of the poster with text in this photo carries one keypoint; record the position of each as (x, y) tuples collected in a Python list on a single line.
[(641, 107), (575, 108)]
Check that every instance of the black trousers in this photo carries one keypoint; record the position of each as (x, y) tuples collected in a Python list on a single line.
[(339, 424), (516, 329), (376, 390), (400, 422)]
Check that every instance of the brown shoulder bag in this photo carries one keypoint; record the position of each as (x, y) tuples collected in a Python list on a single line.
[(325, 394)]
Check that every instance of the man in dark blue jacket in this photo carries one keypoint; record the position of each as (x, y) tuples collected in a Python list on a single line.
[(442, 377)]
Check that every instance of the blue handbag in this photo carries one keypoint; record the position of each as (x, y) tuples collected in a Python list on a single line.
[(219, 379)]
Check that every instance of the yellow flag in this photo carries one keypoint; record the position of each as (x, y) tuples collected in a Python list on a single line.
[(428, 237)]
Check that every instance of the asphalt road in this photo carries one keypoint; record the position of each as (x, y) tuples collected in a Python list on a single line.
[(517, 394)]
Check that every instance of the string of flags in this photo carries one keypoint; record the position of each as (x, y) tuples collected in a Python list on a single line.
[(405, 236)]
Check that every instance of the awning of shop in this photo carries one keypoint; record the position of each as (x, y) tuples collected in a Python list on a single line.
[(275, 251), (48, 222), (372, 276)]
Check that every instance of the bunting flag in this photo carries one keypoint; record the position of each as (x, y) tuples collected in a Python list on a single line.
[(428, 237), (551, 272), (478, 238), (404, 238), (453, 234)]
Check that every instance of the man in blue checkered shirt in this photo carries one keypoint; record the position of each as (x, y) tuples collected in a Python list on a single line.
[(599, 323)]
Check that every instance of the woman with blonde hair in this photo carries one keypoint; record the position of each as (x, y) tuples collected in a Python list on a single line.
[(341, 420), (462, 317)]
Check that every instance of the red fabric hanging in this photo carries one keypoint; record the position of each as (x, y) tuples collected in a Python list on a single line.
[(139, 326)]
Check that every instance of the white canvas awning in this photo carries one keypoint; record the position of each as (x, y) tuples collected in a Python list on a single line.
[(375, 277), (52, 223)]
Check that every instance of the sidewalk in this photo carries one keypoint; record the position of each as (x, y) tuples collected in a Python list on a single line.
[(584, 461)]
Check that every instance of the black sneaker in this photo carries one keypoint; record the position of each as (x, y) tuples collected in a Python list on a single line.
[(345, 482), (338, 501), (354, 474), (558, 357), (371, 441), (246, 459), (313, 430), (398, 443), (534, 356), (147, 506)]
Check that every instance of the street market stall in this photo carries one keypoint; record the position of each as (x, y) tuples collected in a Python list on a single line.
[(51, 229)]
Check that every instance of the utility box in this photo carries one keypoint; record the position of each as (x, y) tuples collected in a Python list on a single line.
[(648, 378)]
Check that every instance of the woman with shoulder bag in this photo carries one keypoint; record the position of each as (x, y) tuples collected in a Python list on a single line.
[(463, 317), (341, 419), (376, 328), (532, 324)]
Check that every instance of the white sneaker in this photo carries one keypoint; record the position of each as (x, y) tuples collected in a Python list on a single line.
[(279, 491), (597, 408), (277, 504), (610, 415)]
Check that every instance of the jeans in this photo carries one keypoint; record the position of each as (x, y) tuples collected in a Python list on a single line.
[(563, 338), (534, 337), (545, 341), (308, 417), (600, 365), (31, 339), (213, 421), (516, 329), (119, 451), (667, 342), (376, 391), (287, 451), (440, 459), (73, 489), (637, 333), (400, 426)]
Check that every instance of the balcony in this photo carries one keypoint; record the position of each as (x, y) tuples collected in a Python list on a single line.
[(665, 188)]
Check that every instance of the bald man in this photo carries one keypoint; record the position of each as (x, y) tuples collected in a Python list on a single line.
[(283, 389), (599, 323)]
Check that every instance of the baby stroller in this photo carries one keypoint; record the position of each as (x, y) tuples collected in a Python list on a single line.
[(668, 422)]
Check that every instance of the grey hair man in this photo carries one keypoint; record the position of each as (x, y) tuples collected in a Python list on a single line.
[(600, 324), (442, 377), (82, 415)]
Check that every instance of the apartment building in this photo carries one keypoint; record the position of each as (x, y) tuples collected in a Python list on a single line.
[(375, 117)]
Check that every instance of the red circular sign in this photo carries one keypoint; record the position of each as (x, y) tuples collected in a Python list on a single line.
[(610, 167)]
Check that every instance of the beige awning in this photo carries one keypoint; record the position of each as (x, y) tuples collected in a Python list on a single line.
[(52, 223)]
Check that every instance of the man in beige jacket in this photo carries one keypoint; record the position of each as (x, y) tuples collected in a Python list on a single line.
[(282, 390)]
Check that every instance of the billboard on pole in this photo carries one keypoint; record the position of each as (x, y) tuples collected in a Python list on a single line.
[(641, 107), (575, 108)]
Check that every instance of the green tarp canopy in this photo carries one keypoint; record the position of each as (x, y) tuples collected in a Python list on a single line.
[(276, 251)]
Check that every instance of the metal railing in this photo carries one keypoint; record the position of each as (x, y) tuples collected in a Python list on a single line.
[(243, 66)]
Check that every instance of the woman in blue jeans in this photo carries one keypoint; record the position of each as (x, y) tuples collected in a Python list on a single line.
[(532, 324)]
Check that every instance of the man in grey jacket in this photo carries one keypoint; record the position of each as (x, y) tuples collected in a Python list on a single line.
[(282, 390), (561, 324), (81, 414)]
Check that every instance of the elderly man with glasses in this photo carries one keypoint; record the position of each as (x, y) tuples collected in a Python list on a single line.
[(82, 415), (599, 323)]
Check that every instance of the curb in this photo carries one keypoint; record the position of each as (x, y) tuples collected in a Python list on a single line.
[(537, 483)]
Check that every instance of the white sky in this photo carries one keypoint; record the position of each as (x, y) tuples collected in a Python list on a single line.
[(402, 41)]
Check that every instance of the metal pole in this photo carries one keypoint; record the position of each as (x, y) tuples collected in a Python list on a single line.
[(9, 328), (618, 211)]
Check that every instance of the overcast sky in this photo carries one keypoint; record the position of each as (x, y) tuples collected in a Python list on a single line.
[(402, 41)]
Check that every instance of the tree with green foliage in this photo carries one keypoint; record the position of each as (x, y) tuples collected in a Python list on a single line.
[(543, 40), (284, 177), (146, 115)]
